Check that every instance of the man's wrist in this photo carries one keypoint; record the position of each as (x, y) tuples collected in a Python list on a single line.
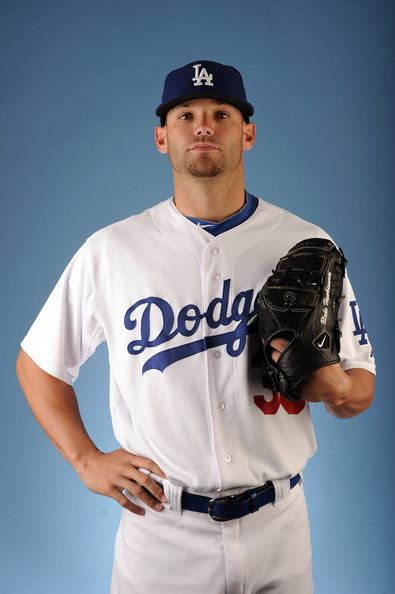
[(329, 385), (79, 460)]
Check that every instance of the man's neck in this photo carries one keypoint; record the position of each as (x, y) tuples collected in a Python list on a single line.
[(210, 199)]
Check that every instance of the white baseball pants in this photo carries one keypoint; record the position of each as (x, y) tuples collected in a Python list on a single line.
[(174, 552)]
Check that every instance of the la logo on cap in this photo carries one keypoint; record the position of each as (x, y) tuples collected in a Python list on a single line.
[(202, 77)]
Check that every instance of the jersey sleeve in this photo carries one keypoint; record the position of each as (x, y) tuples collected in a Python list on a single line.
[(356, 350), (67, 330)]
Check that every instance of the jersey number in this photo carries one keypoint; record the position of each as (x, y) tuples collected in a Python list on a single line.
[(270, 407)]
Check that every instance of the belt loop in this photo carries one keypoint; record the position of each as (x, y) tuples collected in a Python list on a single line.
[(173, 495), (254, 499), (282, 489), (172, 492)]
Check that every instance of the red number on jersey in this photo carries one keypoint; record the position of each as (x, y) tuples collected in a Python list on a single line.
[(270, 407)]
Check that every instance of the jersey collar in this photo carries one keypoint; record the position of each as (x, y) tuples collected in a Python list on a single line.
[(233, 221)]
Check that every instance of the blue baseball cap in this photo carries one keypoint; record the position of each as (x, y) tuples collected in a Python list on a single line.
[(204, 79)]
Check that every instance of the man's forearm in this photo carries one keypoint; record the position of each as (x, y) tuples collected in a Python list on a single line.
[(344, 393), (55, 406), (54, 403), (358, 397)]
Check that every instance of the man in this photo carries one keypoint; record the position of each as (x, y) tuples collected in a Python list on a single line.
[(172, 292)]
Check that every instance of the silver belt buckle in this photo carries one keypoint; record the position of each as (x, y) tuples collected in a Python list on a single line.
[(213, 502)]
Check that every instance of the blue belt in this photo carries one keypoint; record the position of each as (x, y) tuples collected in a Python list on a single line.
[(232, 507)]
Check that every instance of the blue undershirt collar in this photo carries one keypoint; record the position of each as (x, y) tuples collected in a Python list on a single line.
[(233, 221)]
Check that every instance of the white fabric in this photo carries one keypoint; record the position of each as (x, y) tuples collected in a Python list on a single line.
[(267, 552), (158, 284), (172, 492), (282, 489)]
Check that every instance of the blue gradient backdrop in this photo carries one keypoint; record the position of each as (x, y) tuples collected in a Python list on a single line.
[(79, 84)]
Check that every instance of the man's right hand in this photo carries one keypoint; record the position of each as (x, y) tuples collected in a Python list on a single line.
[(108, 474)]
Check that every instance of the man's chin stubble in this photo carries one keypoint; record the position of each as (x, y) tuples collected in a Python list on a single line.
[(196, 171)]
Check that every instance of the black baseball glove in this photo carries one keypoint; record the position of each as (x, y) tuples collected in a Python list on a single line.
[(300, 302)]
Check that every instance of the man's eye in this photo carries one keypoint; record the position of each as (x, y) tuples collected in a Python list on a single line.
[(222, 115), (185, 116)]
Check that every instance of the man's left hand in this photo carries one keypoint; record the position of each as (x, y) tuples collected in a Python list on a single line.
[(344, 393)]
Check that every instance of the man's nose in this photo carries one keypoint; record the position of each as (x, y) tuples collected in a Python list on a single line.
[(203, 127)]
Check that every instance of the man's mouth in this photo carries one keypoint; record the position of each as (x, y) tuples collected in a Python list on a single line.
[(203, 147)]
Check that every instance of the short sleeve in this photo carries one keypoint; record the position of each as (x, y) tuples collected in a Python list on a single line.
[(356, 350), (67, 330)]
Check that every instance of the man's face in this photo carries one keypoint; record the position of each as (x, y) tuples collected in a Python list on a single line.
[(205, 138)]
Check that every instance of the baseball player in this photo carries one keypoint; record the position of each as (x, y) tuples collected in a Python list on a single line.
[(210, 460)]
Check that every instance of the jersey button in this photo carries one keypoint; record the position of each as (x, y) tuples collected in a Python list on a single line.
[(217, 354), (221, 405), (217, 276), (214, 250), (228, 458)]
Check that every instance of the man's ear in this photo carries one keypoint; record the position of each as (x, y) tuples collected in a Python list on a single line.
[(249, 136), (161, 139)]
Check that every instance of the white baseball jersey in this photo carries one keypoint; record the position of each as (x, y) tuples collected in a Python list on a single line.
[(176, 308)]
